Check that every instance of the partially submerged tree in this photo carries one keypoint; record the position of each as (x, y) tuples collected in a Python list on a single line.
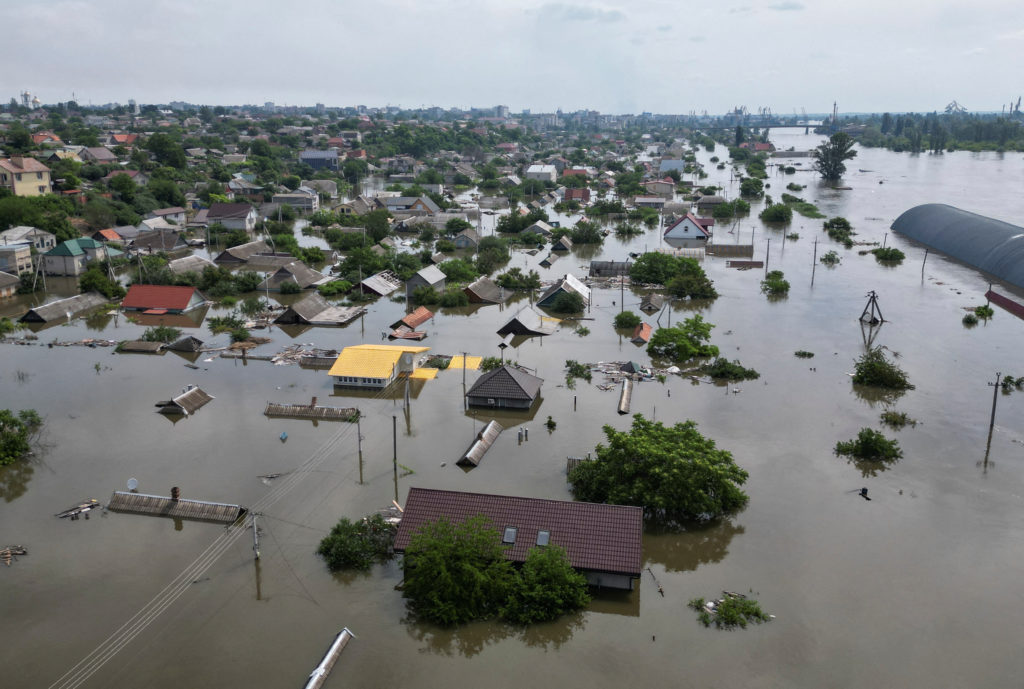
[(830, 156), (673, 472), (873, 368), (16, 431), (546, 588), (357, 545), (683, 342)]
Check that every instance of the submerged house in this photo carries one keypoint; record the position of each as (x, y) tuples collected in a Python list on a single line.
[(295, 272), (162, 299), (242, 252), (602, 542), (569, 283), (313, 309), (374, 366), (689, 227), (431, 276), (64, 308), (529, 322), (607, 269), (484, 290), (382, 284), (507, 387)]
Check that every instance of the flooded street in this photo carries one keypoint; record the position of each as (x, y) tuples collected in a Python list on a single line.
[(919, 587)]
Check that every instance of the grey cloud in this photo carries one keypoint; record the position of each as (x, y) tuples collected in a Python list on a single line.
[(786, 6), (665, 27)]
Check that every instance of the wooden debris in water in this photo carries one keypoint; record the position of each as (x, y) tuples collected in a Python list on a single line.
[(10, 553), (79, 509)]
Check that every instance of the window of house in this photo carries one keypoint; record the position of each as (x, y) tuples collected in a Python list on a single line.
[(543, 537), (42, 189), (17, 176), (509, 537), (39, 175)]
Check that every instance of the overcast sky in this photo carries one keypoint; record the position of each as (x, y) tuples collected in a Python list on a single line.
[(663, 56)]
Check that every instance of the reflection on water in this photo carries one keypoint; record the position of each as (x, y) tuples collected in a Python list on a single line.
[(470, 639), (14, 479), (875, 395), (870, 468), (687, 549)]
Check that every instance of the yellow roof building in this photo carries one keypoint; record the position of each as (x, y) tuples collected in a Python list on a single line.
[(373, 365)]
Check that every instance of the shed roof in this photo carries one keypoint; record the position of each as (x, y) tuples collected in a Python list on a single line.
[(991, 245), (187, 264), (383, 283), (6, 279), (370, 361), (602, 538), (507, 382), (418, 317), (242, 252), (228, 211), (431, 275), (485, 290), (57, 310), (529, 322), (74, 247)]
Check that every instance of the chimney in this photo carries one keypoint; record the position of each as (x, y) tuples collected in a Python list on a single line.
[(18, 161)]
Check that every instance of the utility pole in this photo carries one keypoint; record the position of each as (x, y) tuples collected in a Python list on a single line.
[(814, 264), (767, 253), (394, 445), (255, 536), (925, 260), (359, 440), (995, 398)]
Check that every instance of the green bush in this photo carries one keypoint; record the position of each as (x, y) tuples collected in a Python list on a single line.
[(239, 335), (454, 297), (425, 295), (489, 363), (871, 445), (289, 287), (872, 368), (16, 432), (546, 587), (888, 255), (830, 258), (984, 311), (567, 302), (775, 284), (839, 230), (574, 370), (161, 333), (897, 419), (335, 288), (734, 610), (777, 213), (970, 319), (357, 545), (688, 340), (627, 320), (723, 369), (803, 354)]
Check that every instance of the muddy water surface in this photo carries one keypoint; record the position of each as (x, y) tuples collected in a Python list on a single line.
[(920, 587)]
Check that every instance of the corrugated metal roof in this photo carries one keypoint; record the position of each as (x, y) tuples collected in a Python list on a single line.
[(431, 275), (242, 252), (370, 361), (484, 439), (506, 382), (187, 264), (383, 283), (991, 245), (58, 310), (529, 322), (601, 538)]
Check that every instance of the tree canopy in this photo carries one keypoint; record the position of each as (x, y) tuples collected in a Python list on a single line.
[(673, 472), (683, 276), (683, 342), (830, 156), (457, 573), (15, 433)]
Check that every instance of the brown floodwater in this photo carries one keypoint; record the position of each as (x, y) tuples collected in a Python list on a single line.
[(919, 587)]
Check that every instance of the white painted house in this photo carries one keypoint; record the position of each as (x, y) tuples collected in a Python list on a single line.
[(688, 227), (544, 173)]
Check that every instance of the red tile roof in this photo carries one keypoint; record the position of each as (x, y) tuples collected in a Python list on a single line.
[(421, 315), (106, 236), (170, 297), (601, 538)]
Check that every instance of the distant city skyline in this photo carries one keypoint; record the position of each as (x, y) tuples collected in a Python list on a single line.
[(646, 56)]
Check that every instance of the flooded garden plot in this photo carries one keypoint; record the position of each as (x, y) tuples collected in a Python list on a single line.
[(917, 587)]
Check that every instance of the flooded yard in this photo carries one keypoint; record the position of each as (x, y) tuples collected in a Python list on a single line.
[(918, 587)]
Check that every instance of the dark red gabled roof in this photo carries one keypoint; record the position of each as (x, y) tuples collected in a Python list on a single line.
[(171, 297), (602, 538)]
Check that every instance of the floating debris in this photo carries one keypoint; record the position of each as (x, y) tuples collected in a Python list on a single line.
[(731, 611), (11, 552), (81, 508)]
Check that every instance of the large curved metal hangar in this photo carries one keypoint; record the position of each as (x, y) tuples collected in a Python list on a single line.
[(991, 245)]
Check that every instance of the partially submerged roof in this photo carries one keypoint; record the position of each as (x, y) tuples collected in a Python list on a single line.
[(507, 382), (418, 317), (313, 309), (190, 400), (529, 322), (991, 245), (242, 252), (481, 444), (64, 308), (190, 264), (371, 361), (188, 343), (641, 334), (432, 275), (171, 297), (485, 290), (294, 271), (596, 537), (569, 283), (383, 283)]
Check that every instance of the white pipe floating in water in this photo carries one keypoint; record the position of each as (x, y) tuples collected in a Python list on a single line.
[(319, 674)]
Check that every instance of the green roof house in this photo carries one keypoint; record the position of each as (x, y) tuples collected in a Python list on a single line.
[(70, 257)]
